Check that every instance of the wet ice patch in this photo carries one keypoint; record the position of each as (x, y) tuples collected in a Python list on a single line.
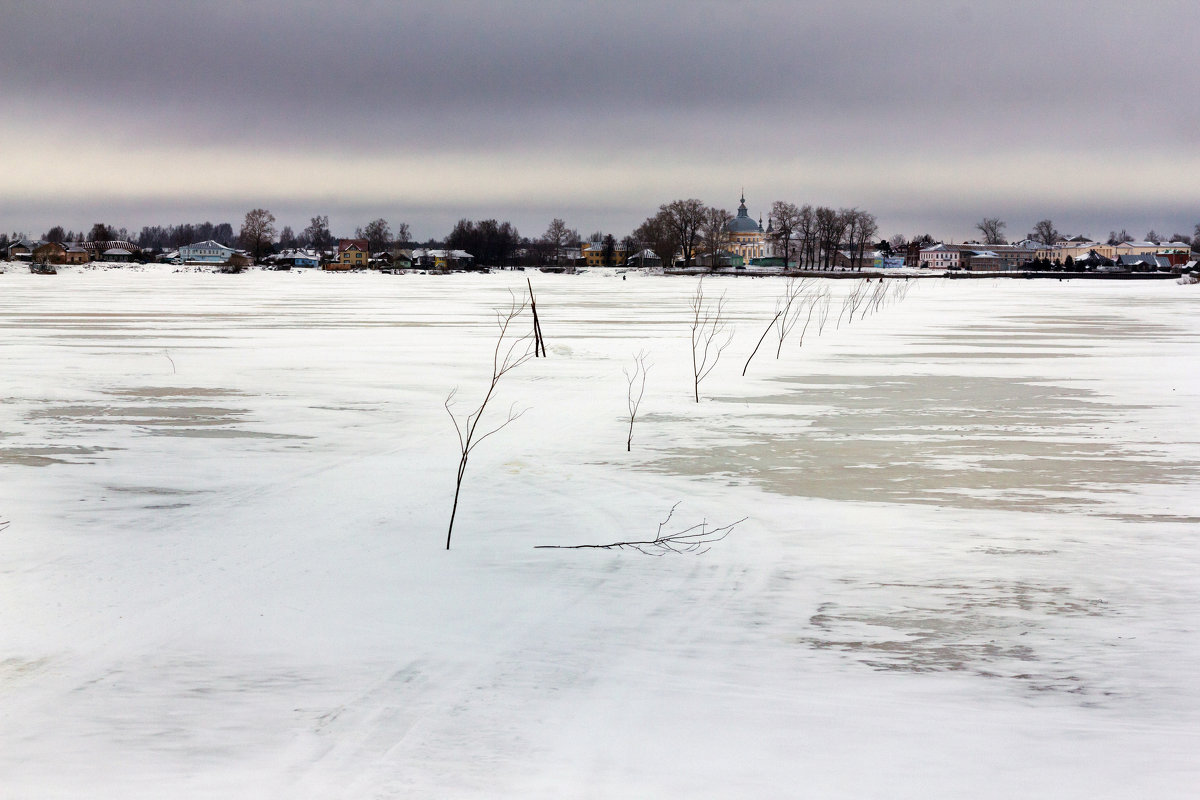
[(987, 628)]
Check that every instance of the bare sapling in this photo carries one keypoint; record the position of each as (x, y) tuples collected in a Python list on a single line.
[(510, 352), (826, 298), (811, 303), (778, 313), (851, 302), (711, 334), (871, 299), (794, 295), (693, 539), (539, 344), (784, 317), (636, 380)]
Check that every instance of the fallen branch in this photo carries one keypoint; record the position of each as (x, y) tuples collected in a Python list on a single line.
[(688, 540)]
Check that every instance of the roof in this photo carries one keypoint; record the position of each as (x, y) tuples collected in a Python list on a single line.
[(742, 222), (1148, 259), (420, 253), (116, 251), (210, 244), (352, 244)]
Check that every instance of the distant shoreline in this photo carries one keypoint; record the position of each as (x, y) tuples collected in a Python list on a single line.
[(892, 274)]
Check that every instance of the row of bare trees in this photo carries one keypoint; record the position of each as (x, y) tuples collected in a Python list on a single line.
[(803, 305), (686, 228), (812, 236), (808, 236)]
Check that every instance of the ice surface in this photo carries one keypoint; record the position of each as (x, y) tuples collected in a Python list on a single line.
[(970, 567)]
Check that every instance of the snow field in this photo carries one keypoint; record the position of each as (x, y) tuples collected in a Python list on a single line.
[(968, 567)]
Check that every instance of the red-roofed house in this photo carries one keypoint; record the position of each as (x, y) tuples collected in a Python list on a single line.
[(352, 254)]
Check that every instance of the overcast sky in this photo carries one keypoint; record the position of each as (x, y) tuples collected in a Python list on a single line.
[(929, 113)]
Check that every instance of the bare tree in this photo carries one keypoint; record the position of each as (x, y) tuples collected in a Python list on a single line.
[(1045, 232), (787, 219), (510, 352), (865, 228), (830, 225), (636, 380), (556, 237), (1119, 238), (403, 235), (318, 236), (377, 233), (692, 539), (659, 236), (714, 234), (992, 229), (287, 238), (258, 229), (807, 231), (710, 335), (684, 217)]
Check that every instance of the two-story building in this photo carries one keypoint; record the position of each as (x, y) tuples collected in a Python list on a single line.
[(941, 256), (593, 254), (351, 254), (206, 252)]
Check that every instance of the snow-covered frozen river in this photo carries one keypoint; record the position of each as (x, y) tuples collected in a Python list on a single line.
[(969, 565)]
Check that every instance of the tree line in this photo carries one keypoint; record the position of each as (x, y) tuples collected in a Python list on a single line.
[(808, 237), (687, 229), (1045, 233)]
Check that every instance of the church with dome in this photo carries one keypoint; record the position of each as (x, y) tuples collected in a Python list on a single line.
[(747, 237)]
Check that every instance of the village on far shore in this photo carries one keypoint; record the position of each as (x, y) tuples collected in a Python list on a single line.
[(684, 237)]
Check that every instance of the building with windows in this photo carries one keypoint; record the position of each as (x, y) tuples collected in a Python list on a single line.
[(593, 254), (941, 256), (352, 254), (747, 237), (22, 249), (206, 252)]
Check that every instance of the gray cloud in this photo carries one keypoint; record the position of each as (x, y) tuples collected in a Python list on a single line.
[(716, 89)]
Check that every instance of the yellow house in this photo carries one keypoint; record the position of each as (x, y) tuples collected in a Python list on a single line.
[(352, 254), (593, 253)]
